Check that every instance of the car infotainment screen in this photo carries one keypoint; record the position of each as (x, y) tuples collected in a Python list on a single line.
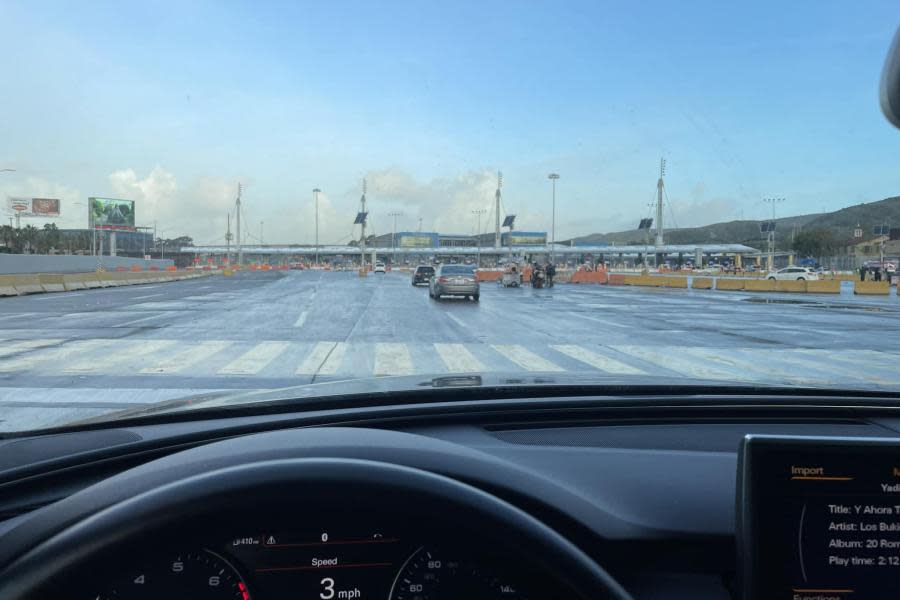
[(819, 518)]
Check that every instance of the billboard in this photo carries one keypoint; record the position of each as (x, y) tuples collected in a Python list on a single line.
[(524, 238), (34, 207), (407, 240), (112, 213), (45, 207)]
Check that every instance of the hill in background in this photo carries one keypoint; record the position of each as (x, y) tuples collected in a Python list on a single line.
[(842, 222)]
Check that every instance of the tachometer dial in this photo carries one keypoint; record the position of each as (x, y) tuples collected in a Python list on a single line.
[(432, 575), (200, 575)]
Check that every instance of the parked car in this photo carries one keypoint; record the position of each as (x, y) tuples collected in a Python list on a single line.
[(379, 267), (422, 274), (792, 274), (454, 280)]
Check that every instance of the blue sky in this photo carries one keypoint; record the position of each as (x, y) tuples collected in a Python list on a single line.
[(172, 103)]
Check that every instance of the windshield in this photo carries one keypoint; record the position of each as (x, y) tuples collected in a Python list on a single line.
[(206, 199)]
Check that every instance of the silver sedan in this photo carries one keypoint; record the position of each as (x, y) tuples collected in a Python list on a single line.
[(454, 280)]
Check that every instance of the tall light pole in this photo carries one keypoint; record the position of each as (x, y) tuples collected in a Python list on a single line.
[(553, 177), (394, 214), (237, 210), (479, 212), (771, 237), (316, 194)]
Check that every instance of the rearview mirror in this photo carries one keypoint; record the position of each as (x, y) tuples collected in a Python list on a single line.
[(890, 83)]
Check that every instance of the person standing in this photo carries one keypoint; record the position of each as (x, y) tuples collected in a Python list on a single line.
[(877, 274), (551, 271), (862, 273)]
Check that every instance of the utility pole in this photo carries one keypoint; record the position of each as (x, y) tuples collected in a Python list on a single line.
[(497, 211), (240, 249), (553, 177), (771, 236), (479, 212), (660, 232), (261, 233), (362, 243), (228, 241), (394, 214), (316, 194)]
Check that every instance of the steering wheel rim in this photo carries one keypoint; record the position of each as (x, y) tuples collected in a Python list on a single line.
[(189, 504)]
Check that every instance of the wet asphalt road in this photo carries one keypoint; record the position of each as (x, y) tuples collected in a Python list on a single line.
[(78, 354)]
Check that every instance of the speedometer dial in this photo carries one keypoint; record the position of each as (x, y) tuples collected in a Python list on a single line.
[(430, 574), (200, 575)]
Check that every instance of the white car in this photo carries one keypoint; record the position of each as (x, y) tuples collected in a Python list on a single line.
[(379, 267), (793, 274)]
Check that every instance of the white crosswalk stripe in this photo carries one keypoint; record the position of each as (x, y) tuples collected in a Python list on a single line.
[(526, 359), (133, 349), (458, 359), (392, 359), (320, 359), (254, 360), (16, 347), (52, 355), (187, 358), (598, 361), (671, 359), (129, 356)]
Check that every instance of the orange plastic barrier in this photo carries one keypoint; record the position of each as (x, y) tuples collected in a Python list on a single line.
[(135, 269), (488, 275), (169, 268), (590, 277), (120, 269), (155, 268)]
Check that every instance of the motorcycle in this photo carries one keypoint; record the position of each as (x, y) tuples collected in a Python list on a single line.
[(538, 276)]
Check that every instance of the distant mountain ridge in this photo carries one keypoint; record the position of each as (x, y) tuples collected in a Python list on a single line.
[(844, 221)]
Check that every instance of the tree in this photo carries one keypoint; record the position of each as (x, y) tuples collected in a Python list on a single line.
[(815, 243), (29, 236), (49, 237)]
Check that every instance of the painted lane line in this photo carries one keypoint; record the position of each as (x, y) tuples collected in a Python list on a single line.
[(770, 372), (25, 363), (602, 321), (458, 359), (598, 361), (16, 347), (392, 359), (64, 295), (254, 360), (119, 354), (148, 296), (457, 320), (141, 320), (526, 359), (187, 358), (301, 319)]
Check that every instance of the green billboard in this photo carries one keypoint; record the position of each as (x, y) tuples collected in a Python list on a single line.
[(111, 213)]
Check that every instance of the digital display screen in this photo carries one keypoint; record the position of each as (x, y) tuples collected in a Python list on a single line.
[(819, 519)]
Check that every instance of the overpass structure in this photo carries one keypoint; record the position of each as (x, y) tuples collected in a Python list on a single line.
[(697, 253)]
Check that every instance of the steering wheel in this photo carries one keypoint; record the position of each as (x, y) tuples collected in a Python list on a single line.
[(90, 532)]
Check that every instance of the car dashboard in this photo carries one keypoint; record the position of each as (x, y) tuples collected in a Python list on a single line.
[(649, 489)]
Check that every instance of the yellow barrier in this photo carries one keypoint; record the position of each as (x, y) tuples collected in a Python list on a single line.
[(759, 285), (8, 286), (27, 284), (52, 282), (730, 284), (645, 280), (830, 286), (795, 286), (702, 283), (675, 282), (869, 288)]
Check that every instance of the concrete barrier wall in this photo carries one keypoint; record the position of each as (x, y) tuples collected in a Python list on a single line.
[(702, 283), (30, 264), (18, 285), (831, 286), (790, 286), (880, 288), (730, 284), (676, 282), (759, 285)]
